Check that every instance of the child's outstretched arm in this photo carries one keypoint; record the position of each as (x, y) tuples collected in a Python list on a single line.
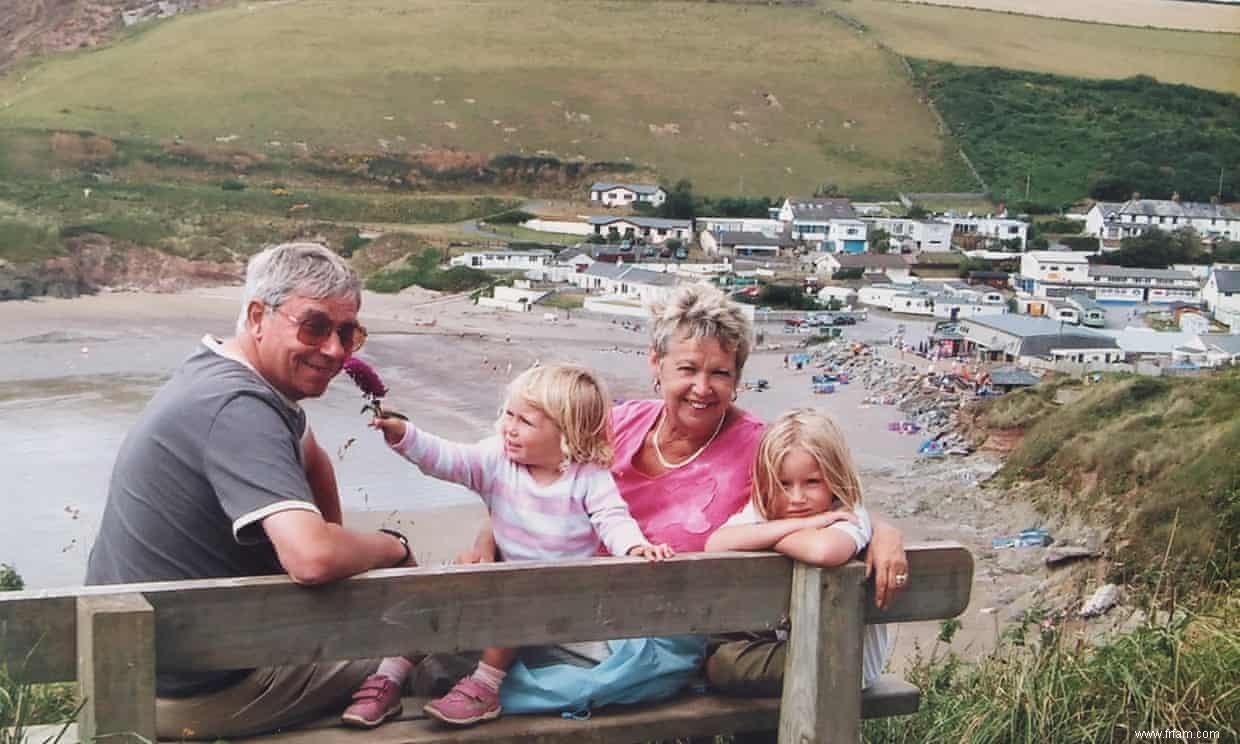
[(768, 535), (471, 465)]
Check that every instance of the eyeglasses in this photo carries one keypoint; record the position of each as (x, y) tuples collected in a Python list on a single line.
[(314, 328)]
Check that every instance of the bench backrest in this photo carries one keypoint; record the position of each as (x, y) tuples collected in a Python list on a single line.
[(260, 621)]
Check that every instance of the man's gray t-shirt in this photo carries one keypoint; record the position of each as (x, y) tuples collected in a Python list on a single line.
[(215, 452)]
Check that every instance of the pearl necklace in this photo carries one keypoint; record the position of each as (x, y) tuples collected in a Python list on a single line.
[(658, 429)]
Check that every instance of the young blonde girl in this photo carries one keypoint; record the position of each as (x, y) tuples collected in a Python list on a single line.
[(545, 481), (806, 504)]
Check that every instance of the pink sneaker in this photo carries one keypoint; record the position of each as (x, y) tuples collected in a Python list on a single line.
[(467, 703), (377, 700)]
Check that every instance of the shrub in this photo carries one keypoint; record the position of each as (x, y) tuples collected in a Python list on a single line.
[(511, 217), (233, 184), (352, 244), (1080, 242), (1041, 684), (10, 580)]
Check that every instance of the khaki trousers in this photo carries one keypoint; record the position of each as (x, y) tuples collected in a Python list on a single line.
[(268, 700)]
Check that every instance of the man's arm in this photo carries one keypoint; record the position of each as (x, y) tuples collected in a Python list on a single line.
[(322, 478), (315, 551)]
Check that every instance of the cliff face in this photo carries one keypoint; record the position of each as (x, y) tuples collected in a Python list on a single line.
[(94, 262)]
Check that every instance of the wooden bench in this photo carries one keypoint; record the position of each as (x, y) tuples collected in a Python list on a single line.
[(111, 639)]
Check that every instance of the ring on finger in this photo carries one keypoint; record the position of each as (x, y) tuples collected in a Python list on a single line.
[(901, 579)]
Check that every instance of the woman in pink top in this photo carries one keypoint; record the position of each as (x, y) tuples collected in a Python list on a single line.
[(683, 460), (683, 464)]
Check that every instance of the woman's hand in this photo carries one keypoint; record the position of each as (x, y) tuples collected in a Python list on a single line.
[(393, 429), (653, 552), (886, 562)]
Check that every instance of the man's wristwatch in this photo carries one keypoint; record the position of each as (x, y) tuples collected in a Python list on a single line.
[(403, 541)]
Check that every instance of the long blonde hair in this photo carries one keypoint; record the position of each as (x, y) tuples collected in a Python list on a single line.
[(817, 434), (576, 401)]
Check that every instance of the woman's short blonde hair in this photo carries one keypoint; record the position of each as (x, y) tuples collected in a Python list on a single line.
[(694, 311), (817, 434), (576, 401)]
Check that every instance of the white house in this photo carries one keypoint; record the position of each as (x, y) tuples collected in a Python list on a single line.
[(622, 280), (843, 295), (1111, 222), (625, 194), (650, 229), (1222, 297), (752, 244), (1058, 270), (1122, 284), (505, 260), (768, 227), (995, 229), (958, 308), (828, 225), (885, 295), (513, 298), (1034, 341), (1211, 350), (893, 266), (914, 236)]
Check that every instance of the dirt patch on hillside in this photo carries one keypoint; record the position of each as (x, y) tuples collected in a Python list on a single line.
[(35, 27)]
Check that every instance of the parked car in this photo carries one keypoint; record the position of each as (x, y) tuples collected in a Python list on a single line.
[(841, 320)]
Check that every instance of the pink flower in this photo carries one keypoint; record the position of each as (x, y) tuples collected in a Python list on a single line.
[(366, 378)]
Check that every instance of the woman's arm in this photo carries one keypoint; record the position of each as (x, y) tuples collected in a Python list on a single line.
[(885, 560)]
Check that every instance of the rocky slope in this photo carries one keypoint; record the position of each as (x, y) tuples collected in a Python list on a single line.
[(93, 262)]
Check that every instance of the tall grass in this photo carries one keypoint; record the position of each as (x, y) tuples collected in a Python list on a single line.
[(1179, 673), (22, 704)]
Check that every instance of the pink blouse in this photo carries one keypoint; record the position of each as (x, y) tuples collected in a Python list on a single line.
[(683, 507)]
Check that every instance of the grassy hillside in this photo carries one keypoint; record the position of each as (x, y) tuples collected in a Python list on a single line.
[(1068, 135), (740, 98), (977, 37), (1155, 458)]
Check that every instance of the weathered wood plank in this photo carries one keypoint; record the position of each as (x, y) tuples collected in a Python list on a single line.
[(38, 636), (688, 715), (557, 601), (940, 580), (822, 674), (466, 607), (116, 668)]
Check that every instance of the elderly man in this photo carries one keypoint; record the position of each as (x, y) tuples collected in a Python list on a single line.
[(221, 477)]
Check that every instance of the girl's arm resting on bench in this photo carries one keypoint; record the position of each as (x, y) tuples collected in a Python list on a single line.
[(767, 535)]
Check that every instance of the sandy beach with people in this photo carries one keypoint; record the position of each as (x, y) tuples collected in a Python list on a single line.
[(445, 361)]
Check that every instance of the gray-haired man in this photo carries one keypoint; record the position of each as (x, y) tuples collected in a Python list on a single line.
[(221, 477)]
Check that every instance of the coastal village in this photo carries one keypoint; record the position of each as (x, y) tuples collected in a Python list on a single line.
[(1053, 310)]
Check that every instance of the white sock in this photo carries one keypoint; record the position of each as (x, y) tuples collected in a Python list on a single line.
[(395, 668), (488, 676)]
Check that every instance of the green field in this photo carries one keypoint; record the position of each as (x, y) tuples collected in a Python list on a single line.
[(688, 88), (983, 38)]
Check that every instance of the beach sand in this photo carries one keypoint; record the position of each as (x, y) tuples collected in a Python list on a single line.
[(446, 361)]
